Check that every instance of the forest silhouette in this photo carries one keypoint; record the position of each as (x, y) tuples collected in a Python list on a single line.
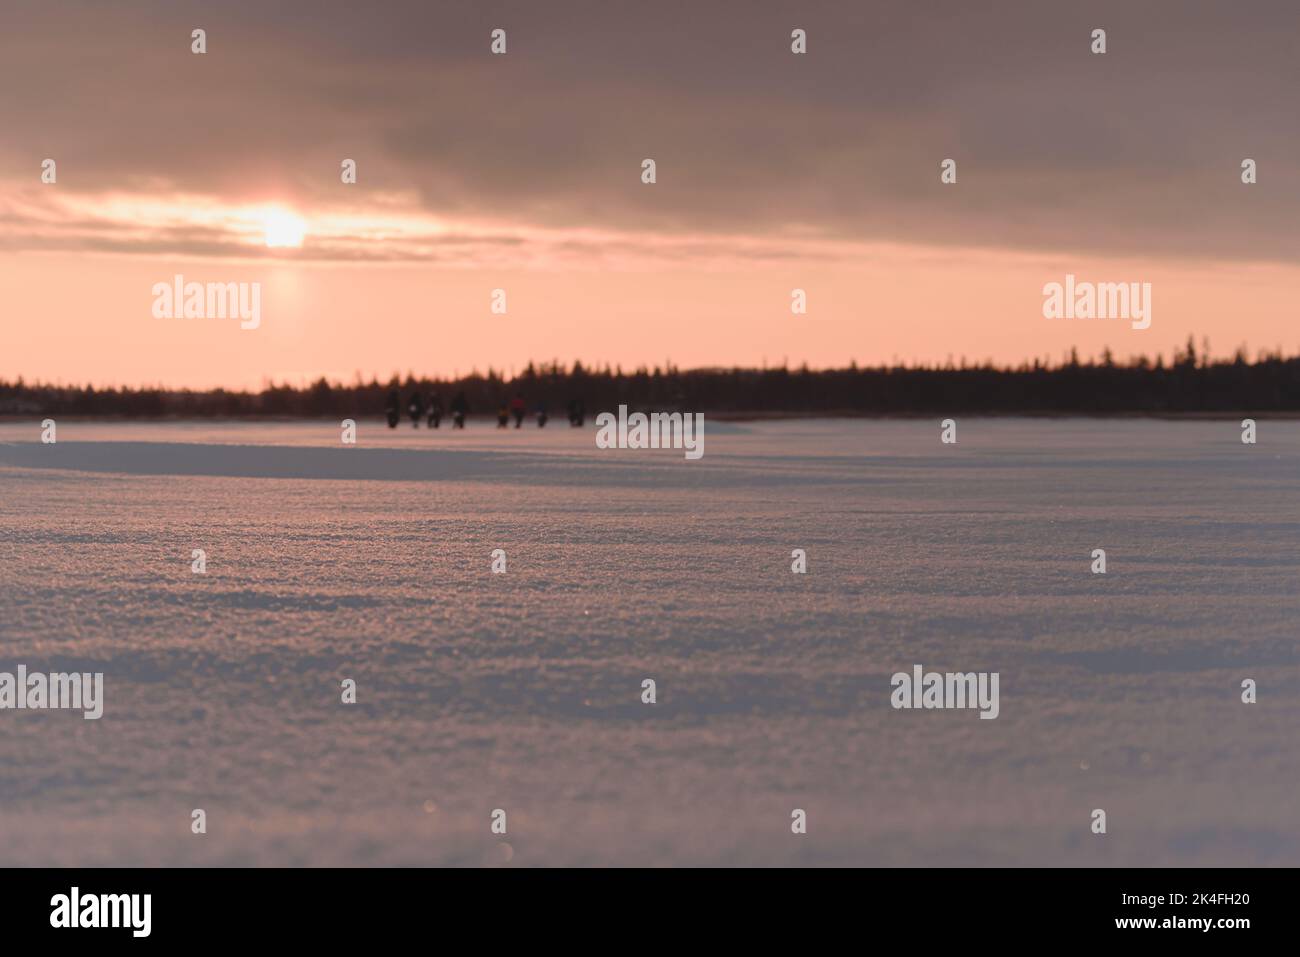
[(1188, 384)]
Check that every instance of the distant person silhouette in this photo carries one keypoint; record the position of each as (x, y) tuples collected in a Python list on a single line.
[(503, 417), (393, 410), (435, 410), (518, 409), (459, 409), (541, 415), (577, 413), (415, 408)]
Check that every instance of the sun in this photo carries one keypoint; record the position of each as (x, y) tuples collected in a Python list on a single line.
[(283, 229)]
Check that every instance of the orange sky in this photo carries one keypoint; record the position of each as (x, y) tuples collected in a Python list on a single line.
[(776, 171), (338, 319)]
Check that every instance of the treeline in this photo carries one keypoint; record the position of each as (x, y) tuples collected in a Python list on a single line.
[(1187, 384)]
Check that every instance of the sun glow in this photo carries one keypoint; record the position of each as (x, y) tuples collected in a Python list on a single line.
[(283, 229)]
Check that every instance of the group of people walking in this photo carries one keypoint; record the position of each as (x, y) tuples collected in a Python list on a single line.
[(430, 408)]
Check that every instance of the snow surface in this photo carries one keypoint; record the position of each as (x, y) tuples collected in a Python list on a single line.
[(522, 691)]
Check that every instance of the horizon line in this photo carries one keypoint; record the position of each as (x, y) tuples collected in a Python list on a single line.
[(1187, 355)]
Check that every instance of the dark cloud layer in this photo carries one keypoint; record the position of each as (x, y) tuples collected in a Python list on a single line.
[(1137, 151)]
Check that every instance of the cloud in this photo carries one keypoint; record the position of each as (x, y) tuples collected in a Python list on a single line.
[(1134, 152), (44, 219)]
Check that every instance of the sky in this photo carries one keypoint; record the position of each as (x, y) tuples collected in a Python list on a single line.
[(522, 172)]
